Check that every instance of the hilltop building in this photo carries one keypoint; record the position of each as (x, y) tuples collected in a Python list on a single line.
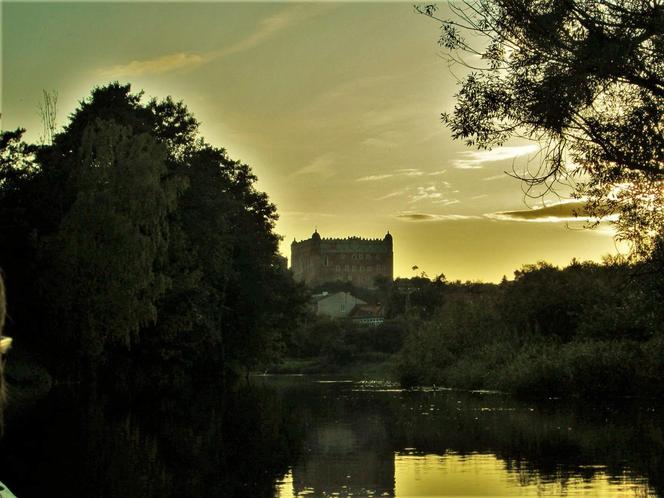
[(317, 260)]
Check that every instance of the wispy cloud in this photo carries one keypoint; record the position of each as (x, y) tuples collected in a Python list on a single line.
[(321, 166), (475, 159), (306, 215), (398, 172), (387, 138), (373, 178), (429, 192), (266, 29), (559, 212), (163, 64), (432, 193), (410, 172), (408, 216), (495, 177), (395, 193), (269, 27)]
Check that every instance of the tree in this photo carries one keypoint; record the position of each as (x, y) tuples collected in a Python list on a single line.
[(137, 251), (103, 275), (583, 77)]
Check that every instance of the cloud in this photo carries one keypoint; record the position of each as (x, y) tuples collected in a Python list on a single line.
[(306, 215), (164, 64), (388, 138), (555, 213), (321, 166), (373, 178), (266, 29), (475, 159), (430, 192), (410, 172), (495, 177), (447, 202), (395, 193), (408, 216), (398, 172), (269, 27)]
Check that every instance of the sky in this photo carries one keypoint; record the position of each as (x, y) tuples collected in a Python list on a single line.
[(335, 106)]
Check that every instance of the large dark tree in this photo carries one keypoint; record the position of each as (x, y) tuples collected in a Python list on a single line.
[(135, 249), (583, 77)]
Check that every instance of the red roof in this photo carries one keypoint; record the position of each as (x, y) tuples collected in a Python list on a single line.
[(367, 311)]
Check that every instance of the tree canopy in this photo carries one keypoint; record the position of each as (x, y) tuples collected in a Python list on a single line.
[(131, 243), (583, 77)]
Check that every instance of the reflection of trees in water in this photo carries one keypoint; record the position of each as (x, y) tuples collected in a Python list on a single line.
[(207, 444), (544, 440), (555, 441), (346, 451), (239, 443)]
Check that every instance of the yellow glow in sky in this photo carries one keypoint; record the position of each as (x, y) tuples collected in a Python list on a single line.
[(336, 106)]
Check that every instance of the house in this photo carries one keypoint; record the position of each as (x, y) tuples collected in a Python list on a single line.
[(368, 314), (337, 305)]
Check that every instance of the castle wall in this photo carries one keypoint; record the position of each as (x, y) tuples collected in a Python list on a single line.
[(317, 260)]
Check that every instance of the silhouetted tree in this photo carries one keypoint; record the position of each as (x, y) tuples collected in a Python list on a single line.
[(135, 247), (583, 77)]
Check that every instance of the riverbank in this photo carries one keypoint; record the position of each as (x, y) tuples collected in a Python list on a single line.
[(380, 366)]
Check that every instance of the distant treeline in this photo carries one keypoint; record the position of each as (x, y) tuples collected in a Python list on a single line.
[(136, 252), (588, 329)]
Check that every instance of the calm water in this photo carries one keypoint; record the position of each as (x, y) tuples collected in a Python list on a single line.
[(304, 436)]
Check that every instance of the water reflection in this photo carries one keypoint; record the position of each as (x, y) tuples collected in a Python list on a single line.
[(375, 440), (486, 475), (286, 437)]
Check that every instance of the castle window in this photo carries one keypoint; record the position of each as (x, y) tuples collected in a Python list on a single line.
[(327, 261)]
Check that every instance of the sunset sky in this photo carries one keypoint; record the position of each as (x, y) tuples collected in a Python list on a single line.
[(336, 107)]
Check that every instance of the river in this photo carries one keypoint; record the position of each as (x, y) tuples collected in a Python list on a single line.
[(290, 436)]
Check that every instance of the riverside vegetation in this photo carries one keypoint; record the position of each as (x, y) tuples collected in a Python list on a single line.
[(137, 255), (586, 330)]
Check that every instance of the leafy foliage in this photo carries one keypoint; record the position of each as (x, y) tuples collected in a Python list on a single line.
[(585, 330), (137, 250), (583, 77)]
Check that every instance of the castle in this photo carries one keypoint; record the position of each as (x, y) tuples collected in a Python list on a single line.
[(316, 260)]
